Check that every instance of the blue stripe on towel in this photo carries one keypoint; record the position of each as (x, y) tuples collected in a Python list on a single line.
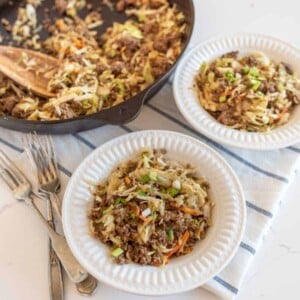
[(220, 147), (126, 128), (294, 149), (84, 141), (248, 248), (225, 284), (64, 170), (259, 209), (16, 148)]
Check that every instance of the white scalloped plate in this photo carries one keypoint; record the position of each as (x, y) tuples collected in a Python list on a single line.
[(190, 107), (183, 273)]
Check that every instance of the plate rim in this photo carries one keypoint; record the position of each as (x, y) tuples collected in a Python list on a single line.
[(204, 130), (127, 288)]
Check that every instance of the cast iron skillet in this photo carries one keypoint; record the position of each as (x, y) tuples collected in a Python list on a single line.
[(118, 114)]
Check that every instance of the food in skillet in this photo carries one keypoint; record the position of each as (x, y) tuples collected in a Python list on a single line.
[(251, 93), (95, 74), (151, 209)]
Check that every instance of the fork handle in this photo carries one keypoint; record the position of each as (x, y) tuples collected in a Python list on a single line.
[(56, 286), (56, 204), (74, 270)]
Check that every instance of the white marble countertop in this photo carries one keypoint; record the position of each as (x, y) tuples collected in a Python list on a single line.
[(274, 274)]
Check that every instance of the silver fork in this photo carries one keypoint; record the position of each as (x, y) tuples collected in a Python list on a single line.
[(42, 155), (40, 150), (22, 191)]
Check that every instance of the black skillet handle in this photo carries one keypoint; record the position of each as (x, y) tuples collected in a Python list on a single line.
[(124, 112)]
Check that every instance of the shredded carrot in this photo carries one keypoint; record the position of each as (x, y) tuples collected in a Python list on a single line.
[(181, 242), (282, 114), (184, 238), (241, 97), (127, 180), (78, 43), (134, 208), (187, 210), (192, 212)]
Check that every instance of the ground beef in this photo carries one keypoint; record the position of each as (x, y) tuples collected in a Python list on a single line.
[(161, 44), (159, 65), (268, 87), (151, 28), (61, 5), (66, 111), (117, 67), (232, 54), (293, 97), (250, 61), (18, 113), (288, 68), (8, 103)]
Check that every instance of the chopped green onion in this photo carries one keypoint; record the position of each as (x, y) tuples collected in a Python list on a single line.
[(120, 86), (154, 216), (117, 252), (246, 70), (170, 234), (255, 84), (153, 176), (145, 178), (141, 193), (280, 87), (173, 192), (105, 97), (222, 99), (108, 210), (230, 76), (133, 216), (146, 161), (120, 200), (254, 72)]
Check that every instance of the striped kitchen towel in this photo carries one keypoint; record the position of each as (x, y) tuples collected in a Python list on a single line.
[(264, 175)]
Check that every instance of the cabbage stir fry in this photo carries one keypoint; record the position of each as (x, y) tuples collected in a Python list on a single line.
[(251, 93), (95, 73), (151, 209)]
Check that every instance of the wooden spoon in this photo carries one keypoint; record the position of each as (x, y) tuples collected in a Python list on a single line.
[(30, 69)]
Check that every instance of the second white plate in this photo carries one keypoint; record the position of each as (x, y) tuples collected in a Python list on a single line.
[(189, 105)]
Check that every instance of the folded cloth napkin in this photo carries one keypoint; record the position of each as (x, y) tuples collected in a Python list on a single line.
[(264, 175)]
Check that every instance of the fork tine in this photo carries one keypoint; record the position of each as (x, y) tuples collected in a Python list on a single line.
[(28, 149), (32, 151), (50, 145), (16, 173), (45, 153), (44, 157), (7, 179)]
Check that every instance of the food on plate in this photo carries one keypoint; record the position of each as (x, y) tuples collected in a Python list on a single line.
[(248, 92), (151, 209), (96, 73)]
